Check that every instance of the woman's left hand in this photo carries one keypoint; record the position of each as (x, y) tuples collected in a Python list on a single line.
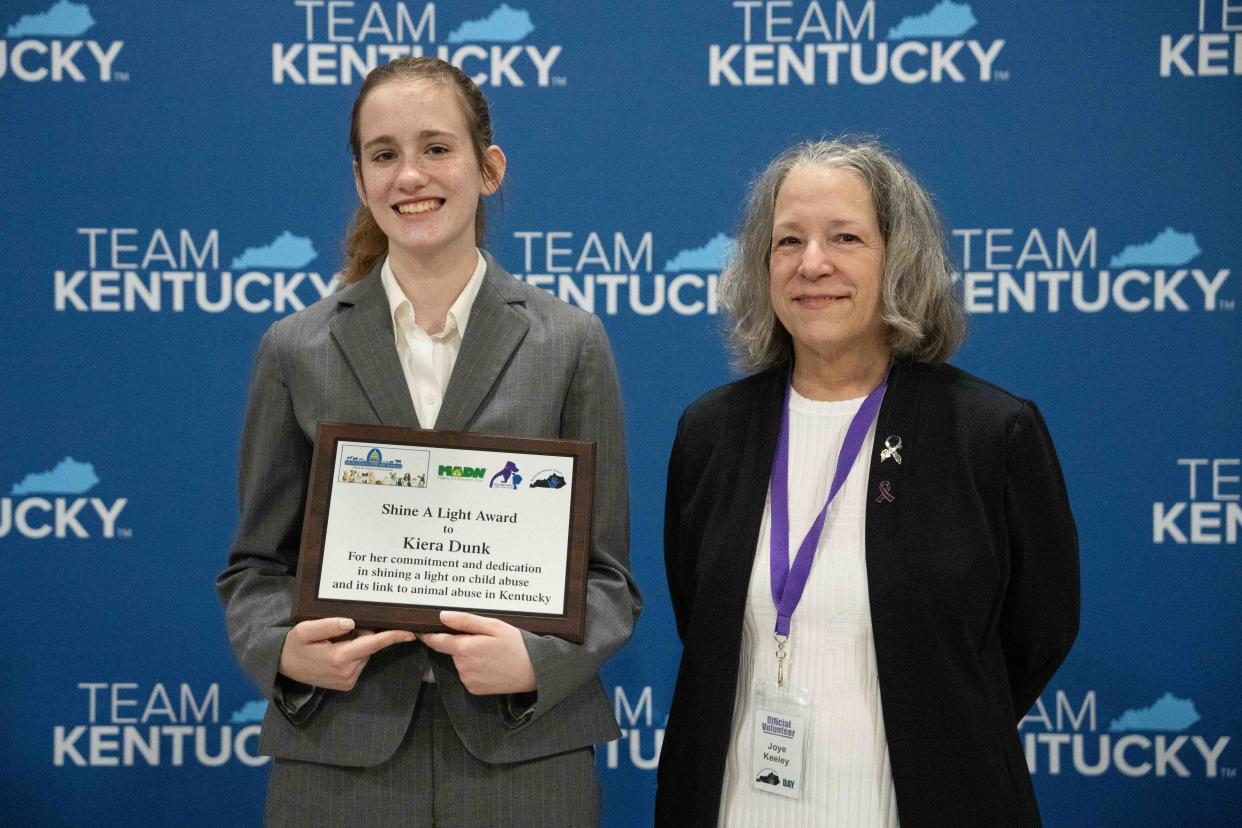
[(489, 654)]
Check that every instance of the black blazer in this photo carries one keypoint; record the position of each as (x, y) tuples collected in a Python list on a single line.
[(972, 572)]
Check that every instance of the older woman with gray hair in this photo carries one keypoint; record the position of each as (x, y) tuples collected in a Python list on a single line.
[(870, 553)]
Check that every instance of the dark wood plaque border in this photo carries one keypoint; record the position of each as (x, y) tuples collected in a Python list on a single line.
[(419, 617)]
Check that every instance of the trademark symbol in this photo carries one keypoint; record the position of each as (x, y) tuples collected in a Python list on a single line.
[(120, 77), (125, 533), (1002, 74), (1227, 304), (1229, 773), (560, 80)]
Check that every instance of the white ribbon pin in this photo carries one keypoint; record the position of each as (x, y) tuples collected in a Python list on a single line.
[(892, 445)]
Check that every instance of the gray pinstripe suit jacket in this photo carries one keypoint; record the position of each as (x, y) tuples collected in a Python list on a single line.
[(529, 365)]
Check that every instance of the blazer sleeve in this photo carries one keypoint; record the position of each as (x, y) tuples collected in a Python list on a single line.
[(1039, 618), (592, 412), (257, 587)]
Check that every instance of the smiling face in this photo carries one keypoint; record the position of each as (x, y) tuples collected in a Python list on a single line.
[(826, 264), (418, 171)]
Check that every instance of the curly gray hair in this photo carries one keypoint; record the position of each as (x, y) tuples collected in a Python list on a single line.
[(918, 303)]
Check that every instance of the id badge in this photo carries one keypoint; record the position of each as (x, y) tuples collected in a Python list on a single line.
[(777, 755)]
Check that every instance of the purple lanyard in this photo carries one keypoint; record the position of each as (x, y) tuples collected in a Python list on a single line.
[(788, 583)]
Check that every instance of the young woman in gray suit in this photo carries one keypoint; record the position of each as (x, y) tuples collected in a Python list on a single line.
[(488, 724)]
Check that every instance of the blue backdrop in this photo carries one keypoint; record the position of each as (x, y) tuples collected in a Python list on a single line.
[(178, 178)]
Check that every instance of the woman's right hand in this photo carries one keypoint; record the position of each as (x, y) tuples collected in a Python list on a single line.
[(321, 652)]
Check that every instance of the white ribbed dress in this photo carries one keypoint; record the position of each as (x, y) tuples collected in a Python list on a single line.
[(831, 649)]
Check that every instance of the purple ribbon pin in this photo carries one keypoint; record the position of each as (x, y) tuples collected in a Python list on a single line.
[(886, 492)]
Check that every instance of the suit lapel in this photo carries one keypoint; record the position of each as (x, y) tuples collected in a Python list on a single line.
[(756, 446), (888, 501), (363, 330), (493, 334)]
